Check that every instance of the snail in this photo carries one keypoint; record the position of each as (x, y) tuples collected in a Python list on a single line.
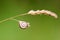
[(23, 24)]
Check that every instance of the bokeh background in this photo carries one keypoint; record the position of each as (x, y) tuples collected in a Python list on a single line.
[(42, 27)]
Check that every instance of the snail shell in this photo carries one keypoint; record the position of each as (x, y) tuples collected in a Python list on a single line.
[(23, 24)]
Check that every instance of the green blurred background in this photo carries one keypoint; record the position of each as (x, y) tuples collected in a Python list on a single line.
[(42, 27)]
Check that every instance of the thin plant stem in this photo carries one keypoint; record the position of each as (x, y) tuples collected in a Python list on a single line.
[(12, 17), (15, 20)]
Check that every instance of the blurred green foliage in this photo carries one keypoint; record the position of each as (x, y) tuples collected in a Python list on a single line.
[(42, 27)]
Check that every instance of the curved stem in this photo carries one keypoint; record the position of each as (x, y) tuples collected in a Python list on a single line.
[(15, 20), (12, 17)]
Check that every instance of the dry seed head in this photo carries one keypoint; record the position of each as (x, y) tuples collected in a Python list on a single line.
[(51, 13), (54, 15), (32, 12), (38, 12), (43, 12)]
